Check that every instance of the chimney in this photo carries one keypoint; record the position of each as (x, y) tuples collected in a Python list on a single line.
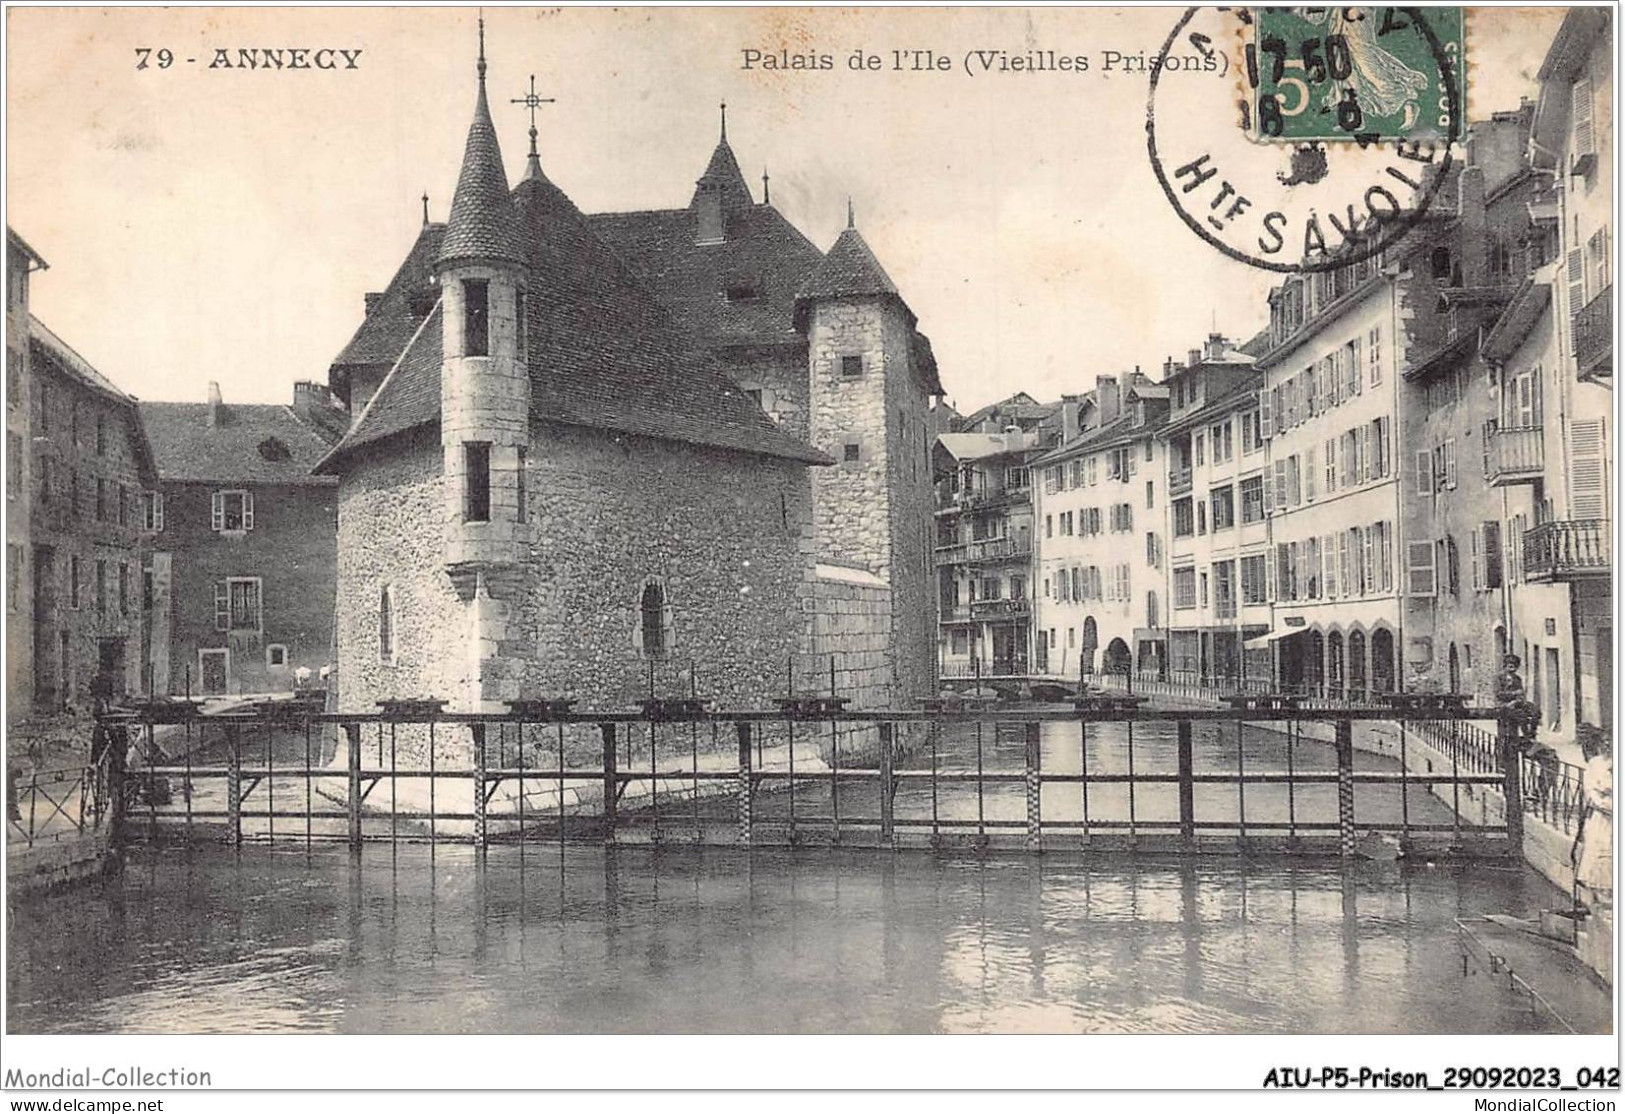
[(1193, 357), (373, 300), (1069, 419), (217, 406), (1473, 238), (1107, 397), (708, 207), (1215, 346), (310, 399)]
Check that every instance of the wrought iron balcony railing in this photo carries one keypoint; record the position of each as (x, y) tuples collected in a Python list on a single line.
[(1568, 549), (1179, 481), (1594, 335)]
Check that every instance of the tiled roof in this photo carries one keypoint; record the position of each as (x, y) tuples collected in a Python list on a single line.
[(250, 444), (723, 175), (49, 353), (398, 312), (761, 253), (21, 245), (1240, 392), (850, 270), (482, 221), (603, 353)]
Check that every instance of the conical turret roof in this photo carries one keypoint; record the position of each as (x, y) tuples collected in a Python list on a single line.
[(849, 270), (482, 224), (722, 175)]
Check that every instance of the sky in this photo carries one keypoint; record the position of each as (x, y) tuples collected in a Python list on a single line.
[(218, 224)]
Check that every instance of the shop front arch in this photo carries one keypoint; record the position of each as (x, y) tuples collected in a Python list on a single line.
[(1383, 665)]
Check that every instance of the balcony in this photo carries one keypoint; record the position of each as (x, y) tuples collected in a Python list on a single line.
[(989, 549), (1179, 481), (1594, 336), (1576, 549), (1514, 456), (959, 614), (998, 609), (951, 553)]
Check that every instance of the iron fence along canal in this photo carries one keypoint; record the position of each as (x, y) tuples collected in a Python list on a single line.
[(816, 773)]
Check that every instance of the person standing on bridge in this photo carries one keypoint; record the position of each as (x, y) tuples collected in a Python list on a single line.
[(1594, 841)]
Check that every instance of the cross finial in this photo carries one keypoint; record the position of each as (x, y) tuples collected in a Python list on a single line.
[(482, 46), (766, 197), (532, 102), (851, 220), (724, 107), (425, 208)]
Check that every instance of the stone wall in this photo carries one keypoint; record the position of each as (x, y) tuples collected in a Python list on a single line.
[(726, 536), (780, 373)]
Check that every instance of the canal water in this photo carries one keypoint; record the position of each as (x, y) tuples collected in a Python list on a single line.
[(543, 939)]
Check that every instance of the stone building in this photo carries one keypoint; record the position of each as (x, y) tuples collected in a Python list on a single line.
[(588, 450), (1100, 580), (89, 468), (21, 262), (244, 542), (1218, 538)]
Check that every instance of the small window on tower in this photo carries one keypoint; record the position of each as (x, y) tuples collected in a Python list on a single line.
[(850, 452), (476, 318), (851, 367), (476, 481)]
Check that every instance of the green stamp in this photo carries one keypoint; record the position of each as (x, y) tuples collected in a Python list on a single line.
[(1364, 74)]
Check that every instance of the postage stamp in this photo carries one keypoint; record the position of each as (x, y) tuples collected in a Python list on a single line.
[(1355, 73), (1337, 140)]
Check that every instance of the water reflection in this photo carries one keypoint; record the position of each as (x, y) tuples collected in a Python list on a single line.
[(544, 939)]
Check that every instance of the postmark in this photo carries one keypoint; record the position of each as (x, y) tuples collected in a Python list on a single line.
[(1298, 198)]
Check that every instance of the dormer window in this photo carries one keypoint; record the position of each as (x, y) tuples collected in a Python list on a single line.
[(742, 291), (273, 449), (476, 318)]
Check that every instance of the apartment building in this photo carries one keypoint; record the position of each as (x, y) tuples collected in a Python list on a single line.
[(1551, 354), (1218, 536), (1101, 580)]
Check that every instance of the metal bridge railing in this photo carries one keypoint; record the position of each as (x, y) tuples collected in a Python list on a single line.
[(1036, 778), (48, 805)]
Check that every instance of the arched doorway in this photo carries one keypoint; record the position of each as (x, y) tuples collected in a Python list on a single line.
[(1334, 665), (1087, 644), (1382, 660), (1455, 669), (1314, 664), (1356, 668), (1118, 658)]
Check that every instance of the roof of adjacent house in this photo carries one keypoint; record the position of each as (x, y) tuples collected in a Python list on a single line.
[(603, 352), (400, 309), (50, 353), (248, 444), (22, 245), (976, 446)]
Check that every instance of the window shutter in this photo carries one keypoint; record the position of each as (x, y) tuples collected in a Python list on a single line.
[(1269, 575), (1282, 494), (1309, 474), (1585, 141), (1576, 280), (1450, 463), (1588, 481), (217, 511), (1344, 576), (1331, 465), (1476, 555), (1424, 473), (158, 510), (1266, 416), (1328, 555), (222, 606), (1265, 490), (1422, 572), (1492, 554), (1356, 368)]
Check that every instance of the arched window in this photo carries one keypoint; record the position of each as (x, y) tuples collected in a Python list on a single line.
[(386, 624), (1334, 665), (1382, 660), (653, 617), (1357, 665)]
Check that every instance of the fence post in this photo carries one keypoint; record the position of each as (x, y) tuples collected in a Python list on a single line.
[(1187, 784), (1034, 786), (742, 789), (476, 733), (352, 754), (888, 833), (1506, 731), (1345, 788), (234, 785), (116, 759), (611, 779)]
